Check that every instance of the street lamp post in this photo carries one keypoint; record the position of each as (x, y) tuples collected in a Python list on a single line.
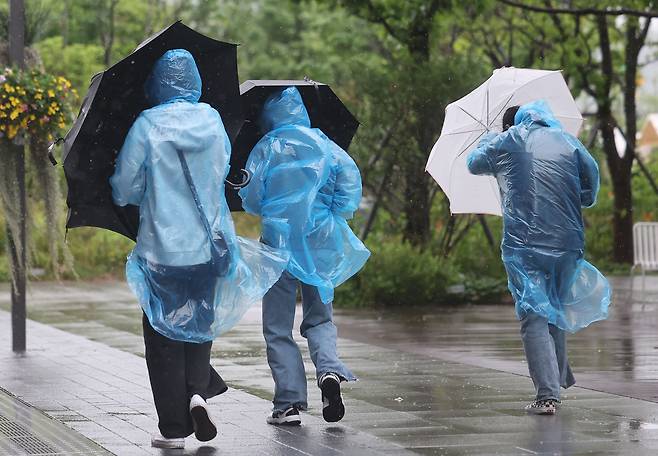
[(19, 249)]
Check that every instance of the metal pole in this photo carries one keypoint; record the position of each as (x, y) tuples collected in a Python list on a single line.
[(18, 307)]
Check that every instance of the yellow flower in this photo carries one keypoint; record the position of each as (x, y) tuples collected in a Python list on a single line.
[(8, 88), (51, 93), (32, 117), (11, 131), (61, 125), (38, 96), (14, 114)]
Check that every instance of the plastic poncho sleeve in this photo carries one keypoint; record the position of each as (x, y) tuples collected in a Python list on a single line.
[(481, 160), (347, 194), (588, 171), (258, 164), (129, 179)]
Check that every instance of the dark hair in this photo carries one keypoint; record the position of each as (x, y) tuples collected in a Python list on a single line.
[(508, 117)]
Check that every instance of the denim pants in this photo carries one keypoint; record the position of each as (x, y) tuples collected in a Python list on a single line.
[(545, 348), (283, 354)]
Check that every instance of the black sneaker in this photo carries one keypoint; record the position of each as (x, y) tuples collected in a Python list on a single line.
[(333, 409), (544, 407), (289, 417)]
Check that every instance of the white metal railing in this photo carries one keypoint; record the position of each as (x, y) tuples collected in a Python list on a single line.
[(645, 250)]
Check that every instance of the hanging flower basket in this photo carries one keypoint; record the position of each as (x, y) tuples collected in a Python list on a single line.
[(35, 107), (33, 103)]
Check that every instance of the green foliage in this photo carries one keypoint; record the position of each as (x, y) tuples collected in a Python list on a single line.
[(396, 64), (98, 253), (77, 62), (398, 274)]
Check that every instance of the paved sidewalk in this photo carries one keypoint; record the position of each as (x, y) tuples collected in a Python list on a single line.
[(103, 393), (448, 381)]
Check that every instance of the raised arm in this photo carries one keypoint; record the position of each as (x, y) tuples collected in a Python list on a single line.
[(347, 193), (481, 159), (588, 172), (257, 165), (129, 179)]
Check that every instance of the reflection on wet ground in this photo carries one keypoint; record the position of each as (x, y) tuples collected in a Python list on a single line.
[(618, 356), (437, 381)]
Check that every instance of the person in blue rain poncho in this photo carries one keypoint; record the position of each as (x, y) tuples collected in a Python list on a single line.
[(545, 177), (192, 276), (305, 188)]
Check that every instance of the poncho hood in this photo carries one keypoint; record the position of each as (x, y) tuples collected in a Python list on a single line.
[(175, 77), (284, 108)]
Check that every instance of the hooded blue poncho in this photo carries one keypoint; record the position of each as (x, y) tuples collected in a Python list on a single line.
[(168, 269), (545, 177), (305, 188)]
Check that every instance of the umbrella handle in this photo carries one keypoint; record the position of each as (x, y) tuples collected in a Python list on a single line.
[(245, 181), (51, 148)]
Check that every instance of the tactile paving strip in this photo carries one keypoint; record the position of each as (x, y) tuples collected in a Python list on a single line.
[(25, 430)]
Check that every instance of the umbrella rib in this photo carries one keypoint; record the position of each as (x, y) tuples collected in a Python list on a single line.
[(473, 117), (488, 101), (470, 144), (501, 109), (461, 132)]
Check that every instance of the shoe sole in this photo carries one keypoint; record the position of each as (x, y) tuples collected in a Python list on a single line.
[(334, 411), (541, 412), (285, 421), (168, 446), (204, 428)]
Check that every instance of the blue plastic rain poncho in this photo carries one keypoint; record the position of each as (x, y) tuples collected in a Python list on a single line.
[(184, 291), (545, 177), (305, 188)]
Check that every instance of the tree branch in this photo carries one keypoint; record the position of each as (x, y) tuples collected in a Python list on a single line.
[(581, 11)]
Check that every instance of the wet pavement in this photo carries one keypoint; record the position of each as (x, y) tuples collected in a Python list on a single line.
[(433, 381)]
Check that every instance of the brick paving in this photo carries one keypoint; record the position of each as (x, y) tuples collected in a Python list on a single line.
[(103, 393), (437, 381)]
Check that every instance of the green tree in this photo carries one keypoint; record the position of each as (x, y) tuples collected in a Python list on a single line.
[(600, 48), (416, 41)]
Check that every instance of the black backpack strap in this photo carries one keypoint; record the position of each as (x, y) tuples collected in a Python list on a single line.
[(195, 194)]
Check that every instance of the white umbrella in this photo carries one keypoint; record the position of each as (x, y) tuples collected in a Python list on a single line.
[(471, 117)]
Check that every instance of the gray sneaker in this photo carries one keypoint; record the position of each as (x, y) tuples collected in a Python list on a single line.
[(543, 407), (288, 417)]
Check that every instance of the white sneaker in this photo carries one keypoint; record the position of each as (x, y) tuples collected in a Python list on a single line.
[(158, 441), (288, 417), (204, 427)]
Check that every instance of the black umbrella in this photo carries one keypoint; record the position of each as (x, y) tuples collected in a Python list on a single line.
[(113, 102), (325, 109)]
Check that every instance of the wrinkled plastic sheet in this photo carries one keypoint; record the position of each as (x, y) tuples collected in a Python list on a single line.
[(558, 285), (305, 188), (199, 307)]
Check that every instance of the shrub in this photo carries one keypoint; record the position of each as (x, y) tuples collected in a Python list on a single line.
[(398, 274)]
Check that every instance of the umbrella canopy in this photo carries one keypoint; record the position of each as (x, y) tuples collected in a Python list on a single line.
[(325, 110), (115, 99), (471, 117)]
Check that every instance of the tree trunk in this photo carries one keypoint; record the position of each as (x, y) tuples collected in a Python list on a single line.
[(620, 172), (416, 202)]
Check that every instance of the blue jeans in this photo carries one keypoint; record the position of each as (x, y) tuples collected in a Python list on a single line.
[(283, 354), (545, 348)]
